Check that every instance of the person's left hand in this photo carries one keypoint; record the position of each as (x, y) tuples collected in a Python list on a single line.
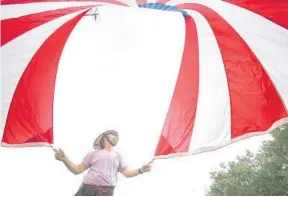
[(146, 167), (59, 154)]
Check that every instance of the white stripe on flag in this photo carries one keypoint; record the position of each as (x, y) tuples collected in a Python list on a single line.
[(14, 11), (212, 127), (114, 74)]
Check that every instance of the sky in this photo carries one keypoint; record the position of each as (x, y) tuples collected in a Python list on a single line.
[(114, 73)]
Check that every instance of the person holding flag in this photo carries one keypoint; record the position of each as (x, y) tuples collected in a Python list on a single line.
[(104, 164)]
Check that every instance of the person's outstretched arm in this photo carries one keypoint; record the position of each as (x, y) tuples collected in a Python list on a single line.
[(75, 169), (131, 173)]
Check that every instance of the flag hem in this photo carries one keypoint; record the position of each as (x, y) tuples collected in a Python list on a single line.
[(30, 144), (275, 125)]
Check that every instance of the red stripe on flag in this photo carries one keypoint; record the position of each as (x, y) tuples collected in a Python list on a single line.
[(177, 129), (10, 2), (274, 10), (140, 2), (30, 116), (14, 27), (255, 103)]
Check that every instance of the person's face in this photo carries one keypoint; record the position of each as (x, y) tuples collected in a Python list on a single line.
[(112, 139)]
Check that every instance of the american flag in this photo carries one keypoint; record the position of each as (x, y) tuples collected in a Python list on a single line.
[(232, 74)]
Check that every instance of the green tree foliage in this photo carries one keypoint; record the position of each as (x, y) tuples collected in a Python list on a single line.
[(262, 174)]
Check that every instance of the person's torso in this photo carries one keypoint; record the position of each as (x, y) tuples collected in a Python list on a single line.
[(104, 168)]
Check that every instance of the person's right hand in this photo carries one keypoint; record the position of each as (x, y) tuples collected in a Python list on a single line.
[(59, 154)]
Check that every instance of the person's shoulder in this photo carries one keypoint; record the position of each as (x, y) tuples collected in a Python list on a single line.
[(119, 155), (116, 152), (93, 152)]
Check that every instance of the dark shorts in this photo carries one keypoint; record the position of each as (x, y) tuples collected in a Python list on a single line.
[(94, 190)]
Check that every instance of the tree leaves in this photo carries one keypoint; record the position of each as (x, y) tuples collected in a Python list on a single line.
[(262, 174)]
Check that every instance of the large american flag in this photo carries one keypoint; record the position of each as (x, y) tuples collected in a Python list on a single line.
[(232, 76)]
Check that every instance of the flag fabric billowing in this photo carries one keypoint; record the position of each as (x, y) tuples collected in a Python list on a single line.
[(230, 68)]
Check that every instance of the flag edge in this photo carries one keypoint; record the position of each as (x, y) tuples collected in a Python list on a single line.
[(207, 149)]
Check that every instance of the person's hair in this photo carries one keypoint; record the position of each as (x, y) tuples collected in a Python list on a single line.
[(113, 132)]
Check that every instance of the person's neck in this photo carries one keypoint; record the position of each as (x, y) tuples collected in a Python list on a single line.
[(108, 148)]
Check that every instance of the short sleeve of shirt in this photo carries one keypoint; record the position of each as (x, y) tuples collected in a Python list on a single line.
[(88, 159), (122, 164)]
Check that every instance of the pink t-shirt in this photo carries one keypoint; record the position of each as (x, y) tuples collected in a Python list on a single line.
[(103, 167)]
